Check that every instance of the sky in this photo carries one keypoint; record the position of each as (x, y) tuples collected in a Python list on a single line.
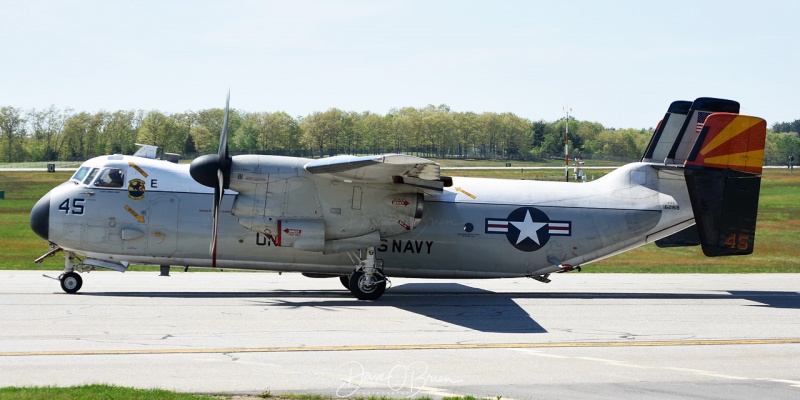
[(619, 63)]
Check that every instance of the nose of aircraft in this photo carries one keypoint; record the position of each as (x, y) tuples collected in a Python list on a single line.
[(40, 217)]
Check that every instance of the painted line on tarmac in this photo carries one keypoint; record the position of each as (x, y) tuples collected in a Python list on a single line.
[(461, 346)]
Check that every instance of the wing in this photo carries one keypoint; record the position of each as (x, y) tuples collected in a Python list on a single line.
[(387, 168)]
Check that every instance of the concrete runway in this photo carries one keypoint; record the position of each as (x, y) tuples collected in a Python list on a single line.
[(583, 335)]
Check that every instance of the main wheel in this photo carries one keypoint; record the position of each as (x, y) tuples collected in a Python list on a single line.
[(345, 281), (71, 282), (366, 287)]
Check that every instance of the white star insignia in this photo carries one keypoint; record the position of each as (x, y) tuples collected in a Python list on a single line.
[(528, 228)]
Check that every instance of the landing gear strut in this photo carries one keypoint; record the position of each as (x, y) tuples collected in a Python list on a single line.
[(71, 282), (367, 282)]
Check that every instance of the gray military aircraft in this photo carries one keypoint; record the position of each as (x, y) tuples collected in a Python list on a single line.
[(364, 219)]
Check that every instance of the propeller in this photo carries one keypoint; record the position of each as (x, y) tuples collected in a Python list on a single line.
[(214, 170)]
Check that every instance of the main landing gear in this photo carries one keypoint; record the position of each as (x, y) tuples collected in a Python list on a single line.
[(367, 282)]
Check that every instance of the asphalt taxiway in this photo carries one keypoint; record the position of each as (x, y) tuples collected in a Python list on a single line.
[(583, 335)]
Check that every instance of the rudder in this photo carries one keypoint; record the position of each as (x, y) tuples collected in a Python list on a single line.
[(722, 174), (698, 113)]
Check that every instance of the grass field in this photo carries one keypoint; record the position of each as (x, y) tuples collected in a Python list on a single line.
[(96, 392), (777, 247), (107, 392)]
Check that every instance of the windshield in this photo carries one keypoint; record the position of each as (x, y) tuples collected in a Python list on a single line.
[(91, 176), (80, 174)]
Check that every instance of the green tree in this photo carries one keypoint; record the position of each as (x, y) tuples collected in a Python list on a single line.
[(436, 125), (466, 129), (81, 137), (320, 131), (120, 132), (168, 132), (246, 137), (47, 126), (538, 130), (213, 119), (780, 146), (405, 125), (377, 132), (12, 134), (188, 146), (588, 132), (513, 135), (179, 129), (786, 127), (204, 141), (628, 143)]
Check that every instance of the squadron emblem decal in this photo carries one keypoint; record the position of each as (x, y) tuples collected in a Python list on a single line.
[(136, 189), (528, 229)]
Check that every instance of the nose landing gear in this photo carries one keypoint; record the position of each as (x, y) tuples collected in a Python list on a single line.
[(71, 282)]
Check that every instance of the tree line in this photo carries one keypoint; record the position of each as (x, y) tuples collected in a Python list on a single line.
[(433, 131)]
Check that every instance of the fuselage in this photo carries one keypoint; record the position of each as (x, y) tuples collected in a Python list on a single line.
[(475, 228)]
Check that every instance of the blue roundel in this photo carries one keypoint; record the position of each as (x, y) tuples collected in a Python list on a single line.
[(527, 228)]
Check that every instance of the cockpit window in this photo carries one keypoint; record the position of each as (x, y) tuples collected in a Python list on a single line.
[(91, 176), (80, 174), (110, 177)]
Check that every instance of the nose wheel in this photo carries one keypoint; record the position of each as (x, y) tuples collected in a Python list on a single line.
[(71, 282)]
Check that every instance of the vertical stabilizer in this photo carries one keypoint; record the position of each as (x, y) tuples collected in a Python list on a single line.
[(723, 178), (730, 141), (666, 132), (699, 111)]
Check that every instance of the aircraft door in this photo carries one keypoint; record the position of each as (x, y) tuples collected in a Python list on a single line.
[(162, 225)]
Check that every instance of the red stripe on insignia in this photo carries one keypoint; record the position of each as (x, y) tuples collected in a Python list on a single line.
[(559, 228)]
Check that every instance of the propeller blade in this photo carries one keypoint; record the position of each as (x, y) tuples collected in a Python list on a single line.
[(213, 170), (219, 191), (213, 247), (223, 137)]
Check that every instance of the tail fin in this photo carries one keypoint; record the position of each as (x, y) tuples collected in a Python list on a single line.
[(666, 132), (723, 178), (697, 114), (730, 141)]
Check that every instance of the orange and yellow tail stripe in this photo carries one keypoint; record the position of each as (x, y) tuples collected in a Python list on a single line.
[(731, 141)]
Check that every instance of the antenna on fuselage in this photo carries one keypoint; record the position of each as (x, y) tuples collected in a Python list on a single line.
[(146, 151)]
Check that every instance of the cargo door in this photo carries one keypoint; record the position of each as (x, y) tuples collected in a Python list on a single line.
[(162, 225)]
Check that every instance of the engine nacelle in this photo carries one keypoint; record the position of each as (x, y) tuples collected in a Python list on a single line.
[(400, 213)]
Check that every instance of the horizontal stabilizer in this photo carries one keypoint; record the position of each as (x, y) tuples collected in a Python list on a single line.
[(687, 237)]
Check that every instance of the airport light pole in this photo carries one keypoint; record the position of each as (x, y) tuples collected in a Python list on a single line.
[(566, 147)]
